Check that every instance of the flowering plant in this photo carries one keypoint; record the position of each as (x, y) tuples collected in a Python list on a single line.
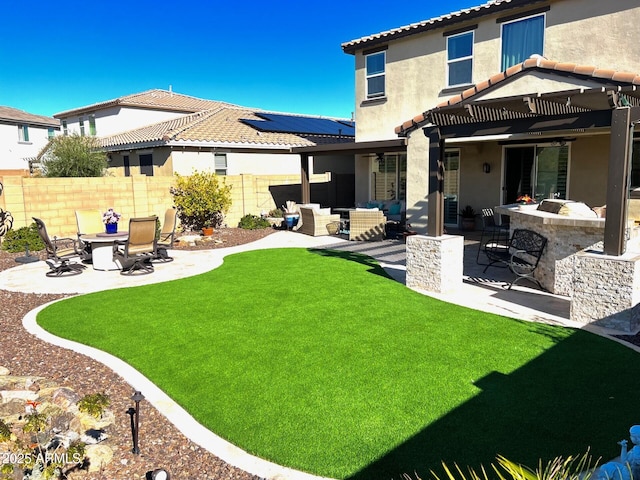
[(525, 199), (111, 216)]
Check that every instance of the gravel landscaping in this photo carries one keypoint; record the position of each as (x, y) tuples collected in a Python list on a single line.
[(161, 444)]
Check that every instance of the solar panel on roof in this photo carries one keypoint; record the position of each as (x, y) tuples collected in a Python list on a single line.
[(275, 122)]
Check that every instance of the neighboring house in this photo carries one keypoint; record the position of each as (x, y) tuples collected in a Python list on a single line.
[(131, 111), (406, 76), (22, 136), (162, 132)]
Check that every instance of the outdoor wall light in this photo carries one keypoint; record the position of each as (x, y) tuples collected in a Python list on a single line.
[(486, 168), (135, 421), (158, 474)]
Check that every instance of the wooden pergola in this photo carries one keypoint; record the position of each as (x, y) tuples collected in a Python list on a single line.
[(350, 148), (615, 110)]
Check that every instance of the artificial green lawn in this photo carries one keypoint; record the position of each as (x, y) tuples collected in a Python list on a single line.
[(317, 360)]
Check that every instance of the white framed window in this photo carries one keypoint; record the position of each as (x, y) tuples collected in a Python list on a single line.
[(65, 129), (51, 132), (460, 59), (23, 133), (92, 125), (375, 73), (220, 163), (522, 38), (81, 125)]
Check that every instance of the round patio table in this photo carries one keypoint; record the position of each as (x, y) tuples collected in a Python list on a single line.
[(102, 249)]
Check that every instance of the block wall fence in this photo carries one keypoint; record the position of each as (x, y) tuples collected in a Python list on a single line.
[(55, 200)]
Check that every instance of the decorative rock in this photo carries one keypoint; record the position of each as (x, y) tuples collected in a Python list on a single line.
[(65, 397), (4, 370), (93, 437), (7, 395), (98, 456)]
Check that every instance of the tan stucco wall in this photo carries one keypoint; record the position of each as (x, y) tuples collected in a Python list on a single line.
[(55, 200), (589, 161), (416, 65)]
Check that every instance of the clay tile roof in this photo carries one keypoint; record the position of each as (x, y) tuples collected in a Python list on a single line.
[(536, 62), (13, 115), (489, 7), (153, 99), (222, 125)]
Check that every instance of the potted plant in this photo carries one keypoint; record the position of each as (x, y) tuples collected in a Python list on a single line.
[(468, 215), (110, 219), (291, 214)]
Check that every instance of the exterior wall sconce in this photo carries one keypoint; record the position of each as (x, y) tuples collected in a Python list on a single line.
[(486, 168), (135, 420)]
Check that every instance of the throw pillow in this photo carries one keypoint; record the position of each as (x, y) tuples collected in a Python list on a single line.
[(394, 209)]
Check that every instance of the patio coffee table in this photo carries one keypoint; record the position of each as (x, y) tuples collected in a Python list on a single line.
[(102, 249)]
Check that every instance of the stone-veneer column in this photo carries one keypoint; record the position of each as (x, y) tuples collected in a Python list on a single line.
[(434, 264), (606, 290)]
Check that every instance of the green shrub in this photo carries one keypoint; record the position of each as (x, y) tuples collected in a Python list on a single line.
[(276, 213), (253, 222), (94, 404), (16, 240), (201, 200)]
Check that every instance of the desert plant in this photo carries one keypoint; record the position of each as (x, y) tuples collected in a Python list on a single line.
[(73, 156), (559, 468), (253, 222), (15, 241), (468, 212), (94, 404), (201, 200), (275, 213)]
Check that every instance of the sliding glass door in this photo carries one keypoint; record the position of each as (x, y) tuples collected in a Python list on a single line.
[(537, 171)]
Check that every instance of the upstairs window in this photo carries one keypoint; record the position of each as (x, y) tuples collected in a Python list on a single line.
[(220, 161), (92, 125), (65, 130), (459, 59), (81, 124), (521, 39), (23, 133), (51, 133), (375, 63)]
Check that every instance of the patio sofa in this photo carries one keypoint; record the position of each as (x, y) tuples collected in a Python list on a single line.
[(366, 224), (314, 221), (394, 210)]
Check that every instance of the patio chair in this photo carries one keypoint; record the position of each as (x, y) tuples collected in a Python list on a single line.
[(59, 253), (88, 221), (366, 224), (493, 236), (167, 235), (522, 255), (135, 253), (315, 221)]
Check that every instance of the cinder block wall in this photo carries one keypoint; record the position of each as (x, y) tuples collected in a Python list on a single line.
[(55, 200)]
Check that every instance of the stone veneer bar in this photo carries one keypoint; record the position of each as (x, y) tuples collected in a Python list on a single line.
[(434, 264)]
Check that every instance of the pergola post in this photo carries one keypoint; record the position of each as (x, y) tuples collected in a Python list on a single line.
[(304, 178), (622, 120), (435, 196)]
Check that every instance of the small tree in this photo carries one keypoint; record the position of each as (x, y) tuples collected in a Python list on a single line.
[(73, 156), (201, 199)]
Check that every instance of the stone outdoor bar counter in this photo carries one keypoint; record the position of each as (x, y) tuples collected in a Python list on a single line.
[(566, 236)]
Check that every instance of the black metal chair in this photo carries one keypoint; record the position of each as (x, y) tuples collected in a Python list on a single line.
[(522, 255), (493, 236), (59, 253), (140, 248)]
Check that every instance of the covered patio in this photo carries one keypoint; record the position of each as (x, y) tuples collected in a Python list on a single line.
[(480, 114)]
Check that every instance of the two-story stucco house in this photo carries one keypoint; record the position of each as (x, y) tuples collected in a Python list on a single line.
[(469, 57), (22, 136), (160, 132)]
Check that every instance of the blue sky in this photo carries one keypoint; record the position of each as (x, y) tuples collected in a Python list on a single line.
[(281, 55)]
